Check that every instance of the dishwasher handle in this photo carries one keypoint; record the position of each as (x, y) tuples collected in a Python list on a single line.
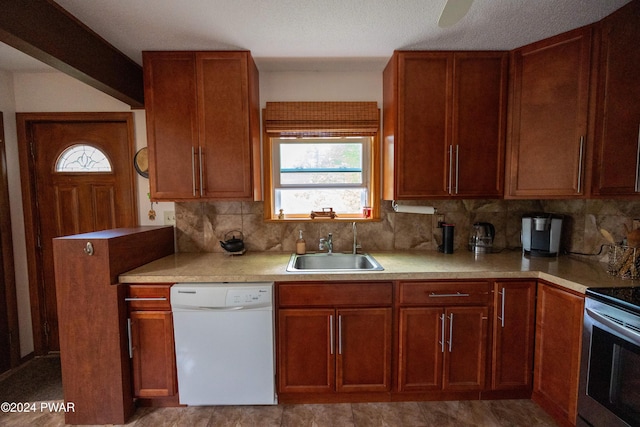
[(221, 309)]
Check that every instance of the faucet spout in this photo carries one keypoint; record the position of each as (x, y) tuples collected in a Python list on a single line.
[(355, 237)]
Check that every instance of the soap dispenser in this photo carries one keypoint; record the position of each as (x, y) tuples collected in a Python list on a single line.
[(301, 245)]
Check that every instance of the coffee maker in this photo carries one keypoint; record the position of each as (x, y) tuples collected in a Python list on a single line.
[(541, 234)]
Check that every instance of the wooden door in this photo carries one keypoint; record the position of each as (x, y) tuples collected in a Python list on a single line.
[(68, 195), (550, 93), (154, 370), (465, 348), (363, 361), (479, 123), (424, 119), (172, 124), (421, 349), (225, 134), (306, 350), (617, 151), (559, 317), (513, 333)]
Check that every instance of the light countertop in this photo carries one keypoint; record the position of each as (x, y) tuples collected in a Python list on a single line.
[(567, 271)]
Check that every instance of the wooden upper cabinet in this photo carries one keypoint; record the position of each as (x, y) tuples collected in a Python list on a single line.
[(443, 124), (547, 141), (617, 136), (203, 125)]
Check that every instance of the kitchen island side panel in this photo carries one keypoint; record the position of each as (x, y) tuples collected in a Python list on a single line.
[(96, 372)]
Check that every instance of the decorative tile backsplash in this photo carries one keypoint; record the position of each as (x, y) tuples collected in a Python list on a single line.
[(200, 226)]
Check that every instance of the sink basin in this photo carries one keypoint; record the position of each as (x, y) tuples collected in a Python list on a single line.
[(333, 262)]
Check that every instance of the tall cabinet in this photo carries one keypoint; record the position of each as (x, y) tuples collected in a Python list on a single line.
[(617, 138), (203, 125), (547, 138), (444, 124)]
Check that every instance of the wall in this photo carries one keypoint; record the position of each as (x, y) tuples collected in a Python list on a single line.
[(8, 108)]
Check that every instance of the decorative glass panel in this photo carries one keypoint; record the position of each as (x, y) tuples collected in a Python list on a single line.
[(83, 158)]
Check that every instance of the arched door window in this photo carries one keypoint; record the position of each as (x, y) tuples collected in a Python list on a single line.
[(83, 158)]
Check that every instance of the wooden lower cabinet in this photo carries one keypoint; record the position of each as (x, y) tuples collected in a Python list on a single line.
[(513, 335), (442, 348), (442, 337), (327, 350), (333, 340), (559, 316), (153, 357), (153, 354)]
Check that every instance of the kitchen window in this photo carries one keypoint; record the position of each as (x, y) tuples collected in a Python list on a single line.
[(315, 173), (321, 155)]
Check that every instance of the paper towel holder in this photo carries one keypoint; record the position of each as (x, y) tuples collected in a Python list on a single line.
[(429, 210)]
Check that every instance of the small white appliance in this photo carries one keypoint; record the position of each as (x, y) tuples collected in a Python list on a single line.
[(224, 341), (541, 234)]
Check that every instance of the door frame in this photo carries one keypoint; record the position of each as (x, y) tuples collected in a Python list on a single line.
[(31, 223)]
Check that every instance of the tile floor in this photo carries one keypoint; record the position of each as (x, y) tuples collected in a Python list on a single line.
[(441, 414)]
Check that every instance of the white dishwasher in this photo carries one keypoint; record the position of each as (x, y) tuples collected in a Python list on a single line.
[(224, 339)]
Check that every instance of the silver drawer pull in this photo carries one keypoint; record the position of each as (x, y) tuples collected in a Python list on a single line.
[(147, 299), (457, 294)]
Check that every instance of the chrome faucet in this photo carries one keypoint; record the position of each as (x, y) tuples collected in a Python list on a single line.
[(356, 246), (326, 244)]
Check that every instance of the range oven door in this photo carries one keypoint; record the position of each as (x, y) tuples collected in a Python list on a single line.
[(610, 367)]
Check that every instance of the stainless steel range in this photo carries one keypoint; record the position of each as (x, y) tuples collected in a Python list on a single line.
[(610, 364)]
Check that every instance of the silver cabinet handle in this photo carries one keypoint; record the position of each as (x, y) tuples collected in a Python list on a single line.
[(501, 317), (442, 332), (331, 345), (193, 169), (201, 172), (457, 166), (129, 339), (339, 334), (450, 331), (638, 163), (457, 294), (580, 161), (450, 168), (147, 299)]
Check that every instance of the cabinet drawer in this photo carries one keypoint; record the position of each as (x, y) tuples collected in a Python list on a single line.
[(353, 294), (444, 293), (149, 297)]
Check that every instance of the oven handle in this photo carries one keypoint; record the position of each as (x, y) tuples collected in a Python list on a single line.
[(626, 332)]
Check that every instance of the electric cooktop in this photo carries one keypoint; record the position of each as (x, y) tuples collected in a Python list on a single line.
[(627, 298)]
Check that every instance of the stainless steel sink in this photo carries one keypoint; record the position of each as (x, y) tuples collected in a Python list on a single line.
[(325, 262)]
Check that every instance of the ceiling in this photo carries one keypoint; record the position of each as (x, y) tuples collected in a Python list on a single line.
[(322, 35)]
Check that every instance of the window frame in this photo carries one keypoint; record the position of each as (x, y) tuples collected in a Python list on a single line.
[(371, 178)]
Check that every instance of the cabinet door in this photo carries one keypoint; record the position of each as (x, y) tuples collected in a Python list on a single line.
[(421, 349), (224, 119), (617, 150), (154, 368), (479, 123), (513, 333), (465, 348), (557, 355), (306, 350), (550, 93), (423, 123), (172, 129), (363, 360)]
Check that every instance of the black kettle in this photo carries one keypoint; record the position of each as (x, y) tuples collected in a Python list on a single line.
[(233, 244)]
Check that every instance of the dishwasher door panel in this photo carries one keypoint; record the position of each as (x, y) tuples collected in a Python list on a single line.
[(225, 357)]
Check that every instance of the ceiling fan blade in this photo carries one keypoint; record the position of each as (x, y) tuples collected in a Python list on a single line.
[(453, 11)]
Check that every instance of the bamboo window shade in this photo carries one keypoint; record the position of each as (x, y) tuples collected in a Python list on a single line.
[(315, 119)]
